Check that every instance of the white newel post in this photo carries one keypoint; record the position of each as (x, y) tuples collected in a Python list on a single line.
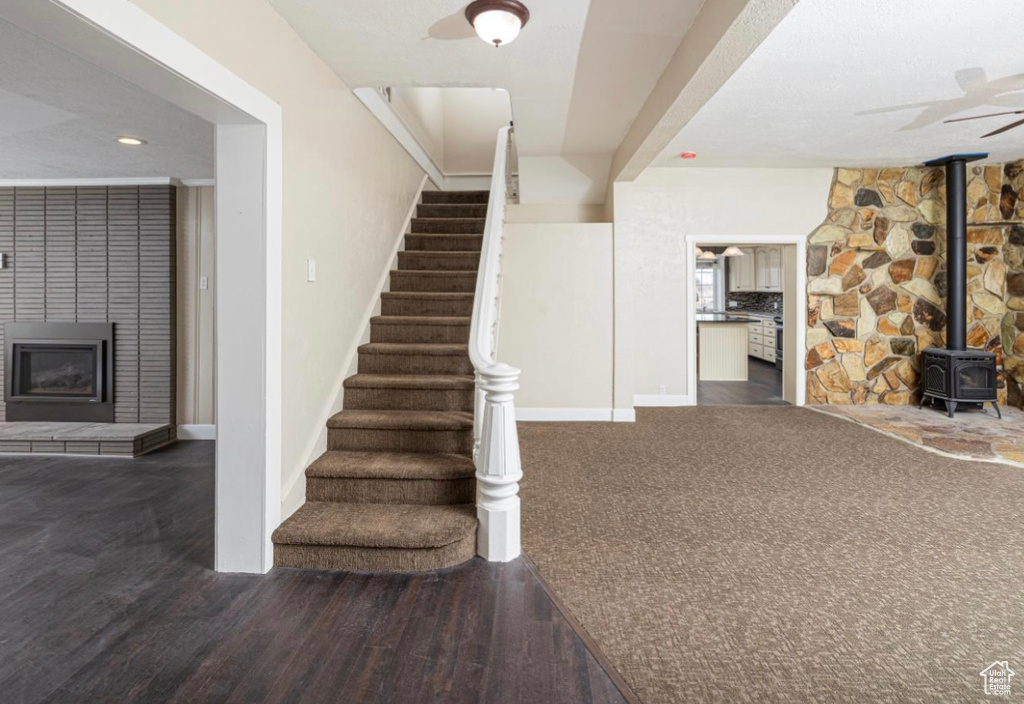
[(479, 399), (498, 469)]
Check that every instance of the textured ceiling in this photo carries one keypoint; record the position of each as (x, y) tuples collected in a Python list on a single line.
[(578, 73), (867, 83), (60, 116)]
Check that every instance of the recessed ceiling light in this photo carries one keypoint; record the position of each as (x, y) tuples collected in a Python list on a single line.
[(131, 141), (688, 155)]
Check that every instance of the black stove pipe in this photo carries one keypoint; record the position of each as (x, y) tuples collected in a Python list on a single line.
[(956, 246)]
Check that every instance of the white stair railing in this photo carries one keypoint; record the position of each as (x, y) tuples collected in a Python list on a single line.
[(495, 440)]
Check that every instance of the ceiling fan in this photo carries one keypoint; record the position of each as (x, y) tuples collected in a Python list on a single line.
[(1006, 128)]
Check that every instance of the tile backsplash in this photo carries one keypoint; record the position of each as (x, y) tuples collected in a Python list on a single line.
[(756, 301)]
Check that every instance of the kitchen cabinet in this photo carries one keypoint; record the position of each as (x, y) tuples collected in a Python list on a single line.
[(759, 269), (742, 271), (761, 340), (768, 269)]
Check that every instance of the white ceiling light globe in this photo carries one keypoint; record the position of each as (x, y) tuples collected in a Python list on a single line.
[(497, 22), (497, 27)]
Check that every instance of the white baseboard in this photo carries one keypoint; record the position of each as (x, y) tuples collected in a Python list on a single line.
[(624, 415), (556, 414), (197, 432), (664, 400)]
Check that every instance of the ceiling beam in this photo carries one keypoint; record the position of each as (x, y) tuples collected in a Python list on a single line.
[(723, 35)]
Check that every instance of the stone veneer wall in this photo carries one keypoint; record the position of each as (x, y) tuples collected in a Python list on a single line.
[(877, 281)]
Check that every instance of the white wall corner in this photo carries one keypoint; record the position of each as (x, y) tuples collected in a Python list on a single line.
[(295, 491), (624, 415), (563, 414), (664, 400), (197, 432)]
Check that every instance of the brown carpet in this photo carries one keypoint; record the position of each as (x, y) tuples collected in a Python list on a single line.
[(742, 554)]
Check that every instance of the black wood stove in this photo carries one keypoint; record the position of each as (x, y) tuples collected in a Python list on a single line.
[(957, 375)]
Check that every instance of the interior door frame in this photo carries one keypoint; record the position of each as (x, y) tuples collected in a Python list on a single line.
[(794, 287), (119, 37)]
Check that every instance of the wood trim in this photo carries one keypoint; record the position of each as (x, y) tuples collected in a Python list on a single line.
[(591, 645)]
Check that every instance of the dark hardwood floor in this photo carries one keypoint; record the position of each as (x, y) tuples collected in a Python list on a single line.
[(762, 388), (107, 595)]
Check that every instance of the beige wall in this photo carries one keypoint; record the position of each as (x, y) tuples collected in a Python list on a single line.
[(652, 216), (196, 261), (348, 188), (422, 111), (556, 314)]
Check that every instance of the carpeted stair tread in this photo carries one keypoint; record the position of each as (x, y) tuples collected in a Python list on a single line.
[(453, 320), (434, 242), (437, 197), (410, 381), (338, 464), (428, 295), (382, 526), (452, 210), (420, 348), (401, 420)]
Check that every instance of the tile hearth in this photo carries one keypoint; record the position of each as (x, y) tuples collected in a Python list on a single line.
[(111, 439), (971, 434)]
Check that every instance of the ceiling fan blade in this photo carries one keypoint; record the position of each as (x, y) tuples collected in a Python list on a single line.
[(991, 114), (1010, 126)]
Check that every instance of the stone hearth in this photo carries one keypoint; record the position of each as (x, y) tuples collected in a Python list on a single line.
[(111, 439), (970, 435)]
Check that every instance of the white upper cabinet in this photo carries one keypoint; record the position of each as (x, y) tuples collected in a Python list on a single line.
[(768, 269), (742, 274)]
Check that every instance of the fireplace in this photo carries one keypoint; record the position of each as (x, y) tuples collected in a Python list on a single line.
[(59, 372), (957, 375), (960, 376)]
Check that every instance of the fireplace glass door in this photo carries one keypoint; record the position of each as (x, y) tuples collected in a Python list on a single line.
[(57, 371), (975, 380)]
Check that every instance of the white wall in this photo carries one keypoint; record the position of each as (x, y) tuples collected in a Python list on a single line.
[(457, 127), (652, 215), (196, 260), (472, 118), (556, 317), (422, 111), (348, 187), (563, 180)]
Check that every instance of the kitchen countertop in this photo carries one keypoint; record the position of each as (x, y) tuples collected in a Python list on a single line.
[(724, 318)]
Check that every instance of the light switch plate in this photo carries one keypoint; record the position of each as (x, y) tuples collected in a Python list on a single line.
[(311, 270), (204, 283)]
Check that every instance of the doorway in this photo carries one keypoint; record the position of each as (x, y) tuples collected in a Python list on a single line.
[(118, 37), (743, 314)]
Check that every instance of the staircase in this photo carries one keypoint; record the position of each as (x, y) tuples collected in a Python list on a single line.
[(395, 490)]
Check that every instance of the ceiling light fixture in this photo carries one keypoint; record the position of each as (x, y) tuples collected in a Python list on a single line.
[(732, 251), (131, 141), (497, 22), (698, 251), (708, 256)]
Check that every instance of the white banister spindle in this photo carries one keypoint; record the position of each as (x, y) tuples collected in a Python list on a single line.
[(495, 440)]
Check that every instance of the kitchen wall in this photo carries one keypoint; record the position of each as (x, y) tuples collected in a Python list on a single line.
[(348, 189), (755, 301), (99, 254), (652, 216), (877, 280)]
